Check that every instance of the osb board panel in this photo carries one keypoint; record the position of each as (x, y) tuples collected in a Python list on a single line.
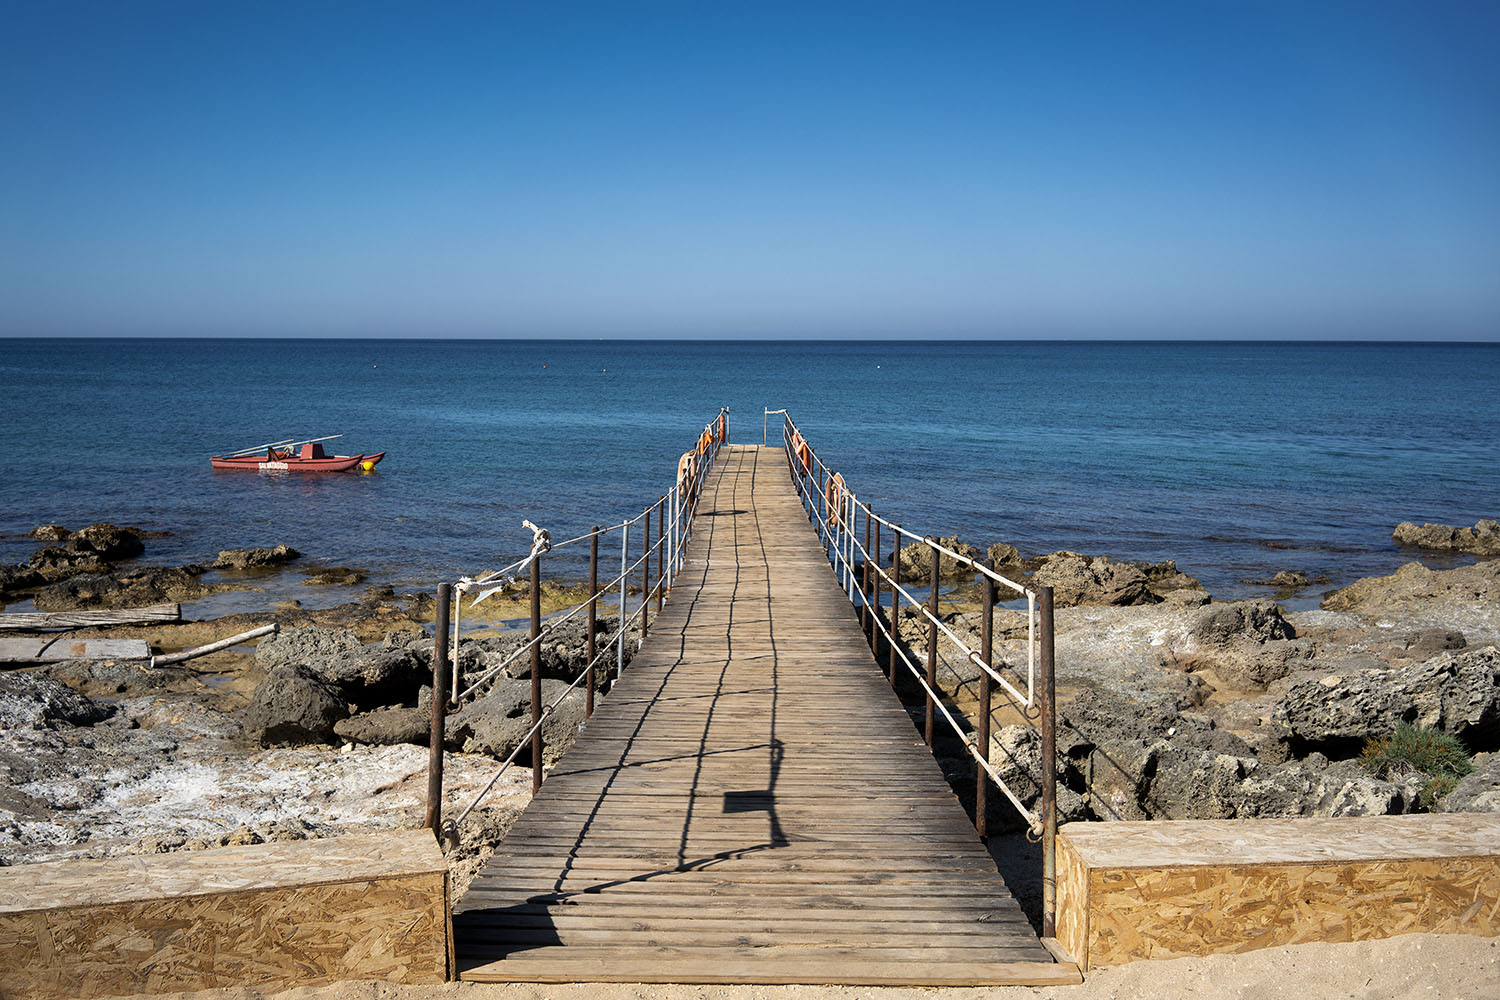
[(1141, 913), (94, 881), (1181, 843), (1072, 902), (395, 929)]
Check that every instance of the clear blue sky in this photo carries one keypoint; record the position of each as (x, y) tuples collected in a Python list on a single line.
[(1194, 169)]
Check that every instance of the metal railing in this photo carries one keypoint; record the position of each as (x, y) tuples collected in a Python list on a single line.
[(674, 512), (838, 514)]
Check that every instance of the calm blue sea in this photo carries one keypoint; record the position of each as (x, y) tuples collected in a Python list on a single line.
[(1235, 459)]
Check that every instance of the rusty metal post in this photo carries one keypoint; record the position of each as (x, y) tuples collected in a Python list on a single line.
[(822, 514), (865, 620), (588, 703), (439, 709), (661, 522), (987, 651), (646, 576), (536, 674), (875, 579), (1049, 767), (932, 640), (895, 603)]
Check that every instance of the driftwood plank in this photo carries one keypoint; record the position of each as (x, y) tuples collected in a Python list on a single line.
[(36, 620), (51, 649)]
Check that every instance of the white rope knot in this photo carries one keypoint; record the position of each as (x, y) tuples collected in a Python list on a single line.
[(541, 540), (541, 544)]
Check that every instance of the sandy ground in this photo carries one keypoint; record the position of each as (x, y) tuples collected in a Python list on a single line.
[(1413, 967)]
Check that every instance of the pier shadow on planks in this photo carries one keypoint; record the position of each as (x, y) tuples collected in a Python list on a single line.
[(751, 803)]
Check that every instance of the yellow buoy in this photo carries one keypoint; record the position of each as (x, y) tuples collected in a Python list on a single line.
[(367, 466)]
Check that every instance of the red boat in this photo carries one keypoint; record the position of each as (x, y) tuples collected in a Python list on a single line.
[(294, 456)]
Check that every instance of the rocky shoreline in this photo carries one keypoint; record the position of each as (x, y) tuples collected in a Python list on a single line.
[(1171, 705)]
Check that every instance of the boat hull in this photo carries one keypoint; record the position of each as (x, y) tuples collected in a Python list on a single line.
[(259, 463)]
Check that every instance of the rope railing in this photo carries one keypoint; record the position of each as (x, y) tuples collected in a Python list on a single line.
[(675, 512), (837, 513)]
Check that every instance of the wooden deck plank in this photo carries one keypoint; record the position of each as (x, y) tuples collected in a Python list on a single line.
[(751, 803)]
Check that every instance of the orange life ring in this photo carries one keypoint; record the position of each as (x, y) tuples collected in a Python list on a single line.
[(802, 451), (834, 494), (723, 430), (705, 443)]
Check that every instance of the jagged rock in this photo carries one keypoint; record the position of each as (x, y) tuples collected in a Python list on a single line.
[(1416, 589), (1106, 718), (1480, 790), (255, 558), (496, 724), (1255, 621), (388, 726), (1251, 666), (49, 532), (1076, 579), (308, 646), (377, 675), (123, 588), (1429, 642), (294, 705), (17, 578), (1163, 780), (111, 678), (1165, 577), (1458, 692), (89, 549), (1306, 789), (1004, 557), (1483, 539), (333, 576), (916, 560), (111, 543), (564, 650), (31, 700), (1016, 755)]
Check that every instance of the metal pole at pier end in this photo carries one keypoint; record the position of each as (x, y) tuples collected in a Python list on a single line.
[(588, 704), (536, 674), (439, 709), (982, 737), (1049, 767)]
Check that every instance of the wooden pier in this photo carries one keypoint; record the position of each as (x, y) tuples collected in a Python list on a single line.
[(751, 804)]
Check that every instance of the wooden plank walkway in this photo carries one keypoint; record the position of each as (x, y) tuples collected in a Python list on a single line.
[(751, 803)]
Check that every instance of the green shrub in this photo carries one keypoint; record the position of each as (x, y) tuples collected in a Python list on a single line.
[(1413, 750)]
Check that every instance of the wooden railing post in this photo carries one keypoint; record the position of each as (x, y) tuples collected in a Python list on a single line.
[(1049, 766), (987, 653), (932, 640), (434, 815), (536, 674), (588, 703)]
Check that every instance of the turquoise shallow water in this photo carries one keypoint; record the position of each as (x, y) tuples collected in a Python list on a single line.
[(1236, 459)]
